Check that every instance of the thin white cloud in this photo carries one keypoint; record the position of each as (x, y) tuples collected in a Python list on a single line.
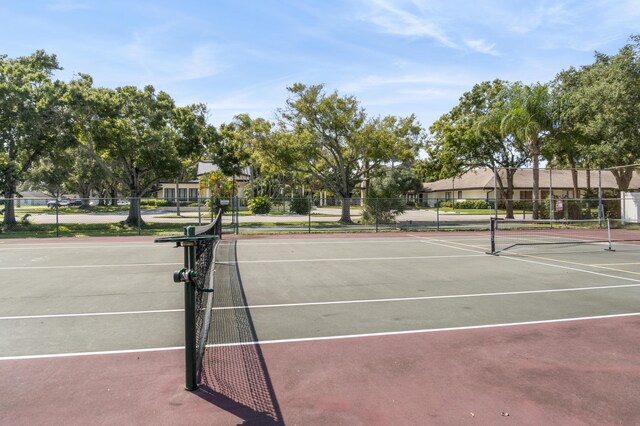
[(393, 19), (146, 53), (378, 82), (482, 46)]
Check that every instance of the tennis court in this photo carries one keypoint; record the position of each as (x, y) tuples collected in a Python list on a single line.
[(421, 328)]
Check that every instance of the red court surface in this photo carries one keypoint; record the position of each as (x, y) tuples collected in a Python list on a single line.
[(561, 373)]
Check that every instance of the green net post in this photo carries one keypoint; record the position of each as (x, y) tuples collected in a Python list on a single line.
[(190, 313)]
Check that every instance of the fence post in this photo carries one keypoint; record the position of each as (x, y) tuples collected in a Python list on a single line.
[(310, 207), (492, 228), (199, 210), (377, 212), (57, 224), (437, 214), (600, 207), (552, 213), (139, 216), (237, 213)]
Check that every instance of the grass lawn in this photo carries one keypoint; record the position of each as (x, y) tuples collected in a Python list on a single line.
[(468, 211), (89, 230)]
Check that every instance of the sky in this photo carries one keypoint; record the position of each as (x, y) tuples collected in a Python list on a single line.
[(397, 57)]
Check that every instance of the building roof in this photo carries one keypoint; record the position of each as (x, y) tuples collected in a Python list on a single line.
[(208, 167), (35, 194), (523, 179)]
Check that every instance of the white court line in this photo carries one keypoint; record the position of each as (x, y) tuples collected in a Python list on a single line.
[(75, 246), (552, 265), (428, 330), (392, 240), (440, 243), (91, 314), (339, 337), (338, 302), (126, 265), (450, 296), (351, 259), (116, 352)]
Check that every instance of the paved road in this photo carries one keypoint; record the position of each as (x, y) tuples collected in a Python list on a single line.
[(323, 214)]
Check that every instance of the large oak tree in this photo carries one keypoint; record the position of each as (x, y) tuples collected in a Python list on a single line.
[(331, 138)]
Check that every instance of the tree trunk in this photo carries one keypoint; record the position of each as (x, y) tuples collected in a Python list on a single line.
[(588, 171), (9, 209), (574, 179), (84, 190), (134, 219), (509, 194), (346, 211), (535, 156), (623, 177)]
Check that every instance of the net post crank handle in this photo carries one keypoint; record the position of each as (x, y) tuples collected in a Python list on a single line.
[(184, 275)]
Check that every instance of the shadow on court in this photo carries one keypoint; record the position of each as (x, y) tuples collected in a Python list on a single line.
[(235, 377)]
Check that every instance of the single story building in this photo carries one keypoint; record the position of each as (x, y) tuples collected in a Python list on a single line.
[(191, 191), (479, 184), (33, 198)]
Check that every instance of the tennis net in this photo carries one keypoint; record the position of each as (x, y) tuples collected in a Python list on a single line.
[(205, 267), (507, 234)]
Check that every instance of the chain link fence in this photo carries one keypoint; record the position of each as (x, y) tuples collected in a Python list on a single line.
[(155, 216)]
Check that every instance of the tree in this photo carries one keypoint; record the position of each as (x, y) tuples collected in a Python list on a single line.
[(568, 145), (193, 136), (471, 136), (9, 174), (86, 176), (384, 202), (51, 173), (131, 135), (331, 138), (529, 120), (218, 185), (606, 108), (33, 118)]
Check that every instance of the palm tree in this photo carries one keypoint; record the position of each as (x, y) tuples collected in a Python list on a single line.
[(529, 119)]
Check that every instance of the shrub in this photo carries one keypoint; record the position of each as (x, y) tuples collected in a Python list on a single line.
[(260, 205), (300, 206), (467, 204), (571, 209), (382, 210), (153, 202)]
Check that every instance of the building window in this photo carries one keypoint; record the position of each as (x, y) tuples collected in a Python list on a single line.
[(526, 195), (169, 193), (447, 196), (182, 194), (193, 194), (459, 195)]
